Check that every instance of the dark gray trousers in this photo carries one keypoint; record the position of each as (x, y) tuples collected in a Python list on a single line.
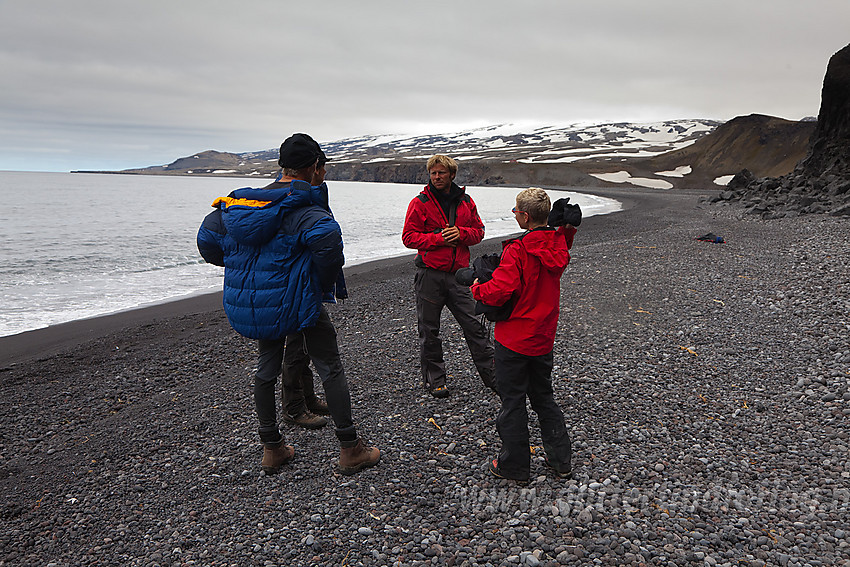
[(435, 290), (297, 387), (321, 343), (518, 376)]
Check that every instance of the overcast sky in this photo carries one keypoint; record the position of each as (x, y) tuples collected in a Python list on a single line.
[(114, 84)]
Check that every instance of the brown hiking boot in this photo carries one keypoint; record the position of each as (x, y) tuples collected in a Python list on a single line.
[(318, 407), (276, 457), (356, 458), (306, 419)]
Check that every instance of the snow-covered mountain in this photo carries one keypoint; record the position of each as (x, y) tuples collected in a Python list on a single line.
[(514, 143), (664, 155), (505, 143)]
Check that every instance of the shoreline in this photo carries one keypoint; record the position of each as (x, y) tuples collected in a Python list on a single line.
[(108, 296), (50, 340)]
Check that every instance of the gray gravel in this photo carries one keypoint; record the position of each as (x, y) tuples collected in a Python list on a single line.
[(706, 387)]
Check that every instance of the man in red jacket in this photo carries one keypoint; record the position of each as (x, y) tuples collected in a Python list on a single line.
[(442, 223), (529, 273)]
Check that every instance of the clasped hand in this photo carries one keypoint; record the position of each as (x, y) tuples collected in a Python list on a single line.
[(451, 235)]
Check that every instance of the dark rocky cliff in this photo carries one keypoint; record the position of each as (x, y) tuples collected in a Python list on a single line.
[(481, 173), (820, 183), (829, 152)]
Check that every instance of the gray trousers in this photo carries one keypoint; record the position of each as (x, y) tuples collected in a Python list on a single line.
[(321, 343), (435, 290), (520, 377), (297, 388)]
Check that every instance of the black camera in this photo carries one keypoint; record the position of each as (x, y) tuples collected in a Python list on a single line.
[(482, 269), (465, 276)]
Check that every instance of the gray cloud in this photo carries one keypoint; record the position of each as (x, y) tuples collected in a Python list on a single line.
[(103, 84)]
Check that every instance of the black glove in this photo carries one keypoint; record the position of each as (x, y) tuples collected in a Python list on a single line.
[(563, 213)]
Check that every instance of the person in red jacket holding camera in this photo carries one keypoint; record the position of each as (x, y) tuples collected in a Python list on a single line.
[(442, 222), (529, 275)]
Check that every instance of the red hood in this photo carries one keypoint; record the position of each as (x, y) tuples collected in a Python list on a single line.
[(548, 245)]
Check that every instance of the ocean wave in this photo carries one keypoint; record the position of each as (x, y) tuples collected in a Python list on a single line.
[(83, 263)]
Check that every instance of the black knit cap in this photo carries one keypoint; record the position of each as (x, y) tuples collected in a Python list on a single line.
[(299, 151)]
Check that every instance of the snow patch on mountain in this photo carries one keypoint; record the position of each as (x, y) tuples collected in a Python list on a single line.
[(626, 177), (680, 171)]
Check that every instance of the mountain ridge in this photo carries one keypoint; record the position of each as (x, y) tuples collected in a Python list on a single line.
[(575, 155)]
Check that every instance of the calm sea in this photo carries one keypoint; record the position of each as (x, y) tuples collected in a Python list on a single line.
[(81, 245)]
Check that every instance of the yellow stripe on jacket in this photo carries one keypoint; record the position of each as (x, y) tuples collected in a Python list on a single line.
[(230, 202)]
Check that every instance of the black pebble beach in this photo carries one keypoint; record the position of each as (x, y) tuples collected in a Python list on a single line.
[(705, 387)]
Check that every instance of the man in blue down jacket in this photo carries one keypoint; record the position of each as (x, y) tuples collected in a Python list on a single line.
[(281, 250)]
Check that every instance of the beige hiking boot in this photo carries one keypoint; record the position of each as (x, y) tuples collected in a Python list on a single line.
[(276, 457), (354, 459), (306, 419)]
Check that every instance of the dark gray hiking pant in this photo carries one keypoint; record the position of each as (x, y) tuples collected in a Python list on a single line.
[(519, 377), (297, 386), (322, 346), (435, 290)]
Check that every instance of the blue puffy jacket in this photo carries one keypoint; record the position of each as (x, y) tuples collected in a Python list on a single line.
[(281, 250)]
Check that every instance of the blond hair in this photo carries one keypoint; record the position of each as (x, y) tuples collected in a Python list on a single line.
[(445, 161), (536, 203)]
